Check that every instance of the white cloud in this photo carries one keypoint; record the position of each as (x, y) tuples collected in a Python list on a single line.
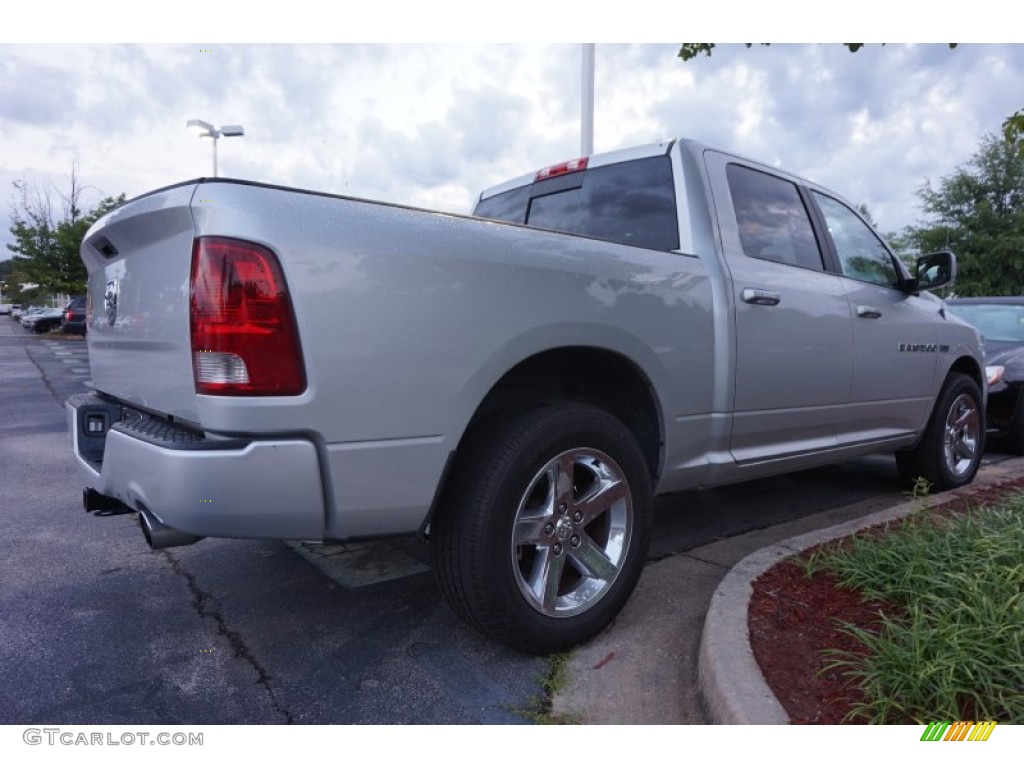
[(431, 125)]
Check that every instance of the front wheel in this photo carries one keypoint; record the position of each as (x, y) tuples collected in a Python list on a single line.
[(542, 534), (949, 453)]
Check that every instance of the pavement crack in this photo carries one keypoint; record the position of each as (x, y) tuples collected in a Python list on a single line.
[(202, 603), (42, 374), (684, 553)]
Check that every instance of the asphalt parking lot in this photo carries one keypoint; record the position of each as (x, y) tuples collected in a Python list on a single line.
[(96, 628)]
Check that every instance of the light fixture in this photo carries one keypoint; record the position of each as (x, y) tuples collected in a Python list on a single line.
[(205, 129)]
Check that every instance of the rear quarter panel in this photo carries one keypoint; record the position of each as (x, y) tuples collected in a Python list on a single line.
[(408, 318)]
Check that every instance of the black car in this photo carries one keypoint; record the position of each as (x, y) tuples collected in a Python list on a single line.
[(74, 316), (42, 320), (1001, 322)]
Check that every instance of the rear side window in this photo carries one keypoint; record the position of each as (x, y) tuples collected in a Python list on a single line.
[(772, 219), (632, 203)]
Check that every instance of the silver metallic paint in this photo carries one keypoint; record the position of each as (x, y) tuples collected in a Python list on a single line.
[(408, 318)]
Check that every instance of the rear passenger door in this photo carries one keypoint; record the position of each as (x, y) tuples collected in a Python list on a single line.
[(793, 353)]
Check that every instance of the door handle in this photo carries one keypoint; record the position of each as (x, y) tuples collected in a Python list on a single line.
[(760, 297), (863, 310)]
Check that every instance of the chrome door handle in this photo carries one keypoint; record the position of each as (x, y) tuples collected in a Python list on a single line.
[(863, 310), (760, 297)]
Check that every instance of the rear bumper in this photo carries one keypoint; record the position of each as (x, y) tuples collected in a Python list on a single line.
[(198, 484)]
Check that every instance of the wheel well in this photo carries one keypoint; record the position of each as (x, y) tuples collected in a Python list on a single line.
[(968, 366), (604, 379)]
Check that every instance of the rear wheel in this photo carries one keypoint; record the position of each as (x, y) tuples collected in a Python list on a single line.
[(542, 534), (950, 451)]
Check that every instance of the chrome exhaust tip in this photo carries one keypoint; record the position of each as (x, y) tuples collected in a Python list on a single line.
[(160, 536)]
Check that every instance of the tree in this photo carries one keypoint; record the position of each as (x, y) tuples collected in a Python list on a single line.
[(689, 51), (978, 212), (49, 234), (1013, 127), (6, 283)]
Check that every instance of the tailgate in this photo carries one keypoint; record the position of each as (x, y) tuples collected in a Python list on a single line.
[(138, 258)]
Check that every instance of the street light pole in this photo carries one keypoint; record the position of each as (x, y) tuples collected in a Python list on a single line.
[(587, 101), (206, 129)]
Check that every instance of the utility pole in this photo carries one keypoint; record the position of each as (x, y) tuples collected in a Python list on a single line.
[(587, 101)]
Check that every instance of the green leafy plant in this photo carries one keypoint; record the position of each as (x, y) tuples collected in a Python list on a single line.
[(538, 710), (951, 645)]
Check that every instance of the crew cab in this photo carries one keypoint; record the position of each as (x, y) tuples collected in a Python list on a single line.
[(516, 385)]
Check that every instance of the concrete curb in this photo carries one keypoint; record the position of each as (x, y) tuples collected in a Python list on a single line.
[(731, 685)]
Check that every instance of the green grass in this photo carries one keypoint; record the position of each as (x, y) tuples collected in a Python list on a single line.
[(952, 645), (538, 709)]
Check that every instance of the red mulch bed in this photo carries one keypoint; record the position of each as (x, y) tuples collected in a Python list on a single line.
[(793, 619)]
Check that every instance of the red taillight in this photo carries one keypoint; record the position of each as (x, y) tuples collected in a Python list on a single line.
[(244, 338), (561, 169)]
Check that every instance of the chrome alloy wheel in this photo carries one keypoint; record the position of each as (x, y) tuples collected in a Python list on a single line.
[(572, 532), (962, 435)]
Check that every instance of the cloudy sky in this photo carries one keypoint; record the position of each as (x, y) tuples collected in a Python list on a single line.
[(432, 124)]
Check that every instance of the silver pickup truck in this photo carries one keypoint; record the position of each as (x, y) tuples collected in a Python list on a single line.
[(516, 385)]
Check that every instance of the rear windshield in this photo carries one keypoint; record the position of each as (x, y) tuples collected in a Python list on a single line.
[(632, 203)]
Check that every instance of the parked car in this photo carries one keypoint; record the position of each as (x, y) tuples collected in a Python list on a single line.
[(6, 309), (19, 312), (31, 312), (42, 321), (74, 316), (1001, 321)]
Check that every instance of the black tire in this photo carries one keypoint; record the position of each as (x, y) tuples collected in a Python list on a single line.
[(527, 563), (949, 453)]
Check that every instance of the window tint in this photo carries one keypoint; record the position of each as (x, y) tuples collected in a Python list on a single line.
[(632, 202), (508, 206), (861, 254), (772, 220)]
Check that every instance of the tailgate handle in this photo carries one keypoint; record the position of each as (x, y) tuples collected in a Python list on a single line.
[(760, 297), (104, 246), (863, 310)]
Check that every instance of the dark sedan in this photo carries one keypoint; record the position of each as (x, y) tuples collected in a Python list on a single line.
[(43, 320), (1001, 322)]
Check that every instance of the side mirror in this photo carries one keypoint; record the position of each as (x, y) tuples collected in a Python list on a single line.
[(935, 270)]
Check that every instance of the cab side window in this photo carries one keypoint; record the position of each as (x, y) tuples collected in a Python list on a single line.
[(862, 255), (772, 219)]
